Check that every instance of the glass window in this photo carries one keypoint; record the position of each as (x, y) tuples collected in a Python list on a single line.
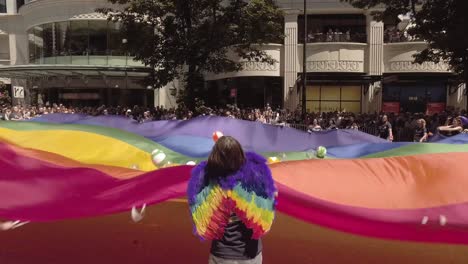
[(77, 42), (313, 93), (62, 36), (115, 43), (3, 8), (32, 46), (79, 38), (436, 93), (39, 44), (330, 93), (353, 107), (97, 37), (330, 98), (313, 106), (19, 3), (351, 93), (329, 106), (62, 42), (48, 39), (391, 93)]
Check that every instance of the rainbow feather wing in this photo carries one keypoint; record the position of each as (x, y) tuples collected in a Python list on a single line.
[(213, 207), (255, 211), (209, 212), (249, 193)]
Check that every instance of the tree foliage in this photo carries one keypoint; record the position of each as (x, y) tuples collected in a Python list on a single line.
[(5, 98), (443, 24), (182, 39)]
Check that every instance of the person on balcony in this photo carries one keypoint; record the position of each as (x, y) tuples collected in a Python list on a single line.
[(330, 35), (319, 35), (337, 35), (310, 37), (348, 35)]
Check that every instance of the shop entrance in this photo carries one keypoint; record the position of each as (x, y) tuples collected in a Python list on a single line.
[(413, 99)]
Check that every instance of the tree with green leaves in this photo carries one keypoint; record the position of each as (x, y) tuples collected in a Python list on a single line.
[(443, 24), (5, 98), (183, 39)]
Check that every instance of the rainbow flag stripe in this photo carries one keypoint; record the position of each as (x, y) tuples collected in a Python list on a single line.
[(405, 199)]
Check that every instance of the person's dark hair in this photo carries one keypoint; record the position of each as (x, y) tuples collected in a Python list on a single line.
[(226, 157)]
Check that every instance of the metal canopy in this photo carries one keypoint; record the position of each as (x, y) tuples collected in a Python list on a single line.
[(56, 70)]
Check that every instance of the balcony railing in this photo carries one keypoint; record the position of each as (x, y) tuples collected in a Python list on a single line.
[(335, 37), (397, 37)]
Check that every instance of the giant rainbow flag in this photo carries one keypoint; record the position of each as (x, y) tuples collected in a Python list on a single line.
[(75, 178)]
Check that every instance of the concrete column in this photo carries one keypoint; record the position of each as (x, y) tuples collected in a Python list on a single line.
[(457, 99), (375, 64), (290, 61), (375, 39), (18, 41), (156, 97), (372, 100), (11, 7)]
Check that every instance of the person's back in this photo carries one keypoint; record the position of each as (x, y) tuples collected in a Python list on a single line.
[(224, 184), (236, 243)]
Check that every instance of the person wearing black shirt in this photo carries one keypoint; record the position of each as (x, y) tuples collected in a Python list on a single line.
[(385, 130), (420, 134)]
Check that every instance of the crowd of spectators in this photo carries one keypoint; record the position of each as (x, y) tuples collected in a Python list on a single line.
[(403, 125), (394, 35), (335, 35)]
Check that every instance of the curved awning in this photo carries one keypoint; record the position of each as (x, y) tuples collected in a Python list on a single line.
[(30, 71)]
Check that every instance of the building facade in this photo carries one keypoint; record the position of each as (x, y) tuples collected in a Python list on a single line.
[(63, 51), (353, 63)]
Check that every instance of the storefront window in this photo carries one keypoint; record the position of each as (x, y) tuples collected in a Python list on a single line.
[(331, 98), (414, 97), (254, 92), (330, 93)]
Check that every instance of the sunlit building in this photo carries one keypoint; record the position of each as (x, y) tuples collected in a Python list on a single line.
[(63, 51)]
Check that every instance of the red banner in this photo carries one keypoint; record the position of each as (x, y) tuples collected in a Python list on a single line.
[(434, 108), (391, 107)]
